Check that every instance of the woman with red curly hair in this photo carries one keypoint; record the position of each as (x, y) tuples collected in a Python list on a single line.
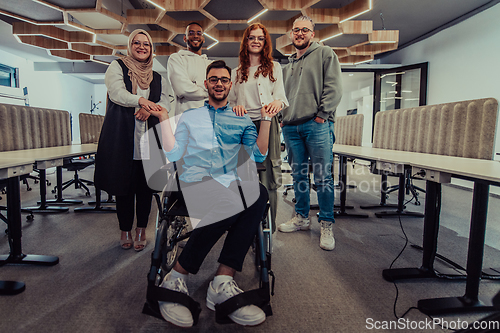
[(258, 84)]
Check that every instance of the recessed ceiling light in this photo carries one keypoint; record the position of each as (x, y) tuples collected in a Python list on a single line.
[(258, 14)]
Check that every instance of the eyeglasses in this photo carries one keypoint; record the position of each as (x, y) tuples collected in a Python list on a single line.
[(259, 38), (138, 44), (195, 33), (214, 79), (304, 30)]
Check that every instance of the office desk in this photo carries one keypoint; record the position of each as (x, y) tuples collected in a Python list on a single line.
[(46, 158), (440, 169), (483, 173), (11, 168), (387, 161)]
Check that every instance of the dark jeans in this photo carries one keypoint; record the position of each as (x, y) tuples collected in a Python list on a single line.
[(241, 227), (141, 194)]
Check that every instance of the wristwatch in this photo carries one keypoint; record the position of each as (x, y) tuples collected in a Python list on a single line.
[(266, 118)]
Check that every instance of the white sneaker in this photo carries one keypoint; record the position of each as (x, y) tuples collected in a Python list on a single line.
[(175, 313), (326, 241), (296, 223), (249, 315)]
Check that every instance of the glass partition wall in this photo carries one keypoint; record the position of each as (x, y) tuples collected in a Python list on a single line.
[(368, 91)]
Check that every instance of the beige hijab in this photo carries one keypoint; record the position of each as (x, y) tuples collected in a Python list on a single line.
[(141, 73)]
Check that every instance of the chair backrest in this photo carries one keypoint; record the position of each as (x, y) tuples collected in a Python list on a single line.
[(349, 130), (26, 127), (90, 127), (463, 129)]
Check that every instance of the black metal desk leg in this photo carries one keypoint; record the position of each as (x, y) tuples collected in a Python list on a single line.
[(14, 222), (470, 301), (401, 199), (43, 208), (60, 199), (431, 228), (98, 207), (343, 192), (16, 255), (383, 195)]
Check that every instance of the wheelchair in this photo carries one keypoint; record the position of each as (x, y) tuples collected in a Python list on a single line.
[(171, 228)]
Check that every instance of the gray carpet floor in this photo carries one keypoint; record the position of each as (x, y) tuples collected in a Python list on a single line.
[(99, 287)]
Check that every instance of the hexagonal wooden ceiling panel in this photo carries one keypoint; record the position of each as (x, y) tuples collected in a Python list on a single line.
[(90, 29)]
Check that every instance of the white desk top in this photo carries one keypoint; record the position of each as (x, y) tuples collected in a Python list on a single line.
[(15, 166), (44, 154), (14, 162), (372, 154), (488, 170), (459, 166)]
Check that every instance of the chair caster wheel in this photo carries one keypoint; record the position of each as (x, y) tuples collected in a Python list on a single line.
[(417, 203), (53, 191), (87, 194), (49, 183), (28, 189), (294, 200), (29, 218)]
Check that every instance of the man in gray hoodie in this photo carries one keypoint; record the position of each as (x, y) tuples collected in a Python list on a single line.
[(313, 86)]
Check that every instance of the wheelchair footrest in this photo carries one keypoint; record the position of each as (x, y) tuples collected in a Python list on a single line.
[(156, 294), (259, 297)]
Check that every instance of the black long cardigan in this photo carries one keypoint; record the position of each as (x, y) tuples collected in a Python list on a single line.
[(115, 152)]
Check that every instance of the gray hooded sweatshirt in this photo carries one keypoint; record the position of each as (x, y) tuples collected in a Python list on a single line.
[(313, 85)]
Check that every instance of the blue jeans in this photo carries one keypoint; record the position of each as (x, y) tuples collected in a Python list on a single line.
[(313, 141)]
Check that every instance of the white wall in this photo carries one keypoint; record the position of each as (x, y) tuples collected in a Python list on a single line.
[(52, 90), (463, 60)]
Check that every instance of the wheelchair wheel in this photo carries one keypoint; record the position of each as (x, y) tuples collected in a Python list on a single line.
[(166, 250), (263, 242), (171, 248)]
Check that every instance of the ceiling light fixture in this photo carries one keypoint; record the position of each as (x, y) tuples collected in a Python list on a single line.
[(17, 37), (363, 61), (327, 38), (74, 25), (356, 15), (397, 73), (382, 42), (216, 41), (17, 17), (258, 14), (156, 5), (100, 61)]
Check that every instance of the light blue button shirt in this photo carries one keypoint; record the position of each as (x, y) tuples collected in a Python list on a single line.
[(209, 141)]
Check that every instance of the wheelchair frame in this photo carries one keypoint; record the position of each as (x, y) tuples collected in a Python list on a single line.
[(170, 229)]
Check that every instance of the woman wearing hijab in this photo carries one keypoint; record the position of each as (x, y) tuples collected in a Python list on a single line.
[(133, 91), (257, 84)]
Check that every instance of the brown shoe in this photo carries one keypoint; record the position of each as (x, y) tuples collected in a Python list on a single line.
[(126, 240), (140, 239)]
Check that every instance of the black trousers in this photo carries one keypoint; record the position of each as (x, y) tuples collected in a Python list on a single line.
[(140, 196), (242, 226)]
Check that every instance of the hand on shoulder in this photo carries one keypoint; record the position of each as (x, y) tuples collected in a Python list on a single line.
[(239, 110)]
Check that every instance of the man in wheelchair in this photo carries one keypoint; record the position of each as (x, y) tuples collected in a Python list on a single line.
[(208, 139)]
